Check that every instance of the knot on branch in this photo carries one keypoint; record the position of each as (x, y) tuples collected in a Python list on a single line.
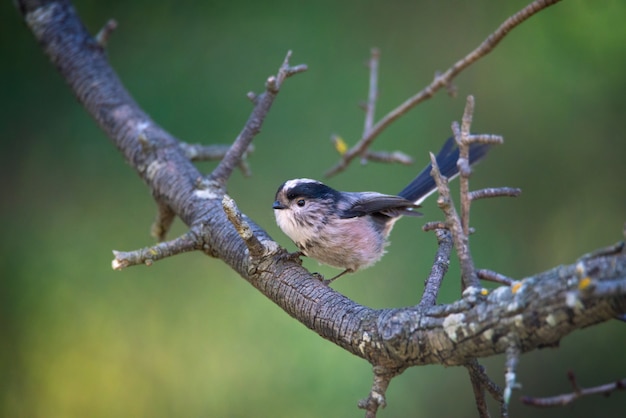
[(395, 327)]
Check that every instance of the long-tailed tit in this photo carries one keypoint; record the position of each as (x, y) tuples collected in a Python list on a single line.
[(349, 230)]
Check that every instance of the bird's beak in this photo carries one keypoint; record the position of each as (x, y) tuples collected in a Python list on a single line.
[(277, 205)]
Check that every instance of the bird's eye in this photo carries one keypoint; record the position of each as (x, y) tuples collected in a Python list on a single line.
[(300, 202)]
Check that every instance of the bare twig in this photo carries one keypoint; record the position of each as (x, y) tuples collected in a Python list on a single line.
[(376, 398), (479, 390), (462, 139), (434, 225), (263, 103), (512, 358), (243, 228), (453, 223), (442, 80), (495, 277), (102, 37), (372, 95), (213, 152), (578, 392), (164, 219), (189, 241), (438, 270), (370, 108), (481, 382), (378, 156), (479, 398), (494, 390), (389, 157), (494, 192)]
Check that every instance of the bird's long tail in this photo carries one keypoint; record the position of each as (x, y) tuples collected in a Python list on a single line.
[(423, 185)]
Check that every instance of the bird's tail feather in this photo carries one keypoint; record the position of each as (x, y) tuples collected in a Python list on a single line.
[(423, 185)]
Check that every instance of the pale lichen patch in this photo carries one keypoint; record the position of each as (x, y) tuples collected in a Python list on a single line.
[(488, 334), (271, 247), (452, 325), (364, 341), (551, 320), (573, 301), (153, 168), (206, 194)]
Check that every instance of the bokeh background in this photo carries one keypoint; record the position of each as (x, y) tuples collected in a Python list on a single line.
[(187, 337)]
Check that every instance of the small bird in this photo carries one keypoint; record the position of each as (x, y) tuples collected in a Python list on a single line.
[(349, 230)]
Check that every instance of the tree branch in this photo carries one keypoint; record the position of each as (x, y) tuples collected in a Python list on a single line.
[(481, 382), (537, 311), (262, 105), (200, 152), (439, 269), (567, 398), (370, 107), (376, 398), (441, 80)]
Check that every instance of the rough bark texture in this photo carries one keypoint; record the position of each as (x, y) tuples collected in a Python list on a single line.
[(533, 313)]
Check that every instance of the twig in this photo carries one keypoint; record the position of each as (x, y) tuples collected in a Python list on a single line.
[(201, 152), (378, 156), (376, 398), (481, 382), (389, 157), (495, 277), (512, 358), (479, 391), (235, 217), (578, 392), (453, 223), (439, 269), (103, 36), (434, 225), (459, 226), (263, 103), (372, 95), (494, 192), (370, 108), (189, 241), (164, 219), (462, 139), (442, 80)]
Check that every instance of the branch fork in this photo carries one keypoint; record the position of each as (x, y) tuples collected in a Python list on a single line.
[(210, 187)]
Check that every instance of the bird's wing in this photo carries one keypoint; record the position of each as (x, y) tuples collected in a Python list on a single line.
[(368, 203)]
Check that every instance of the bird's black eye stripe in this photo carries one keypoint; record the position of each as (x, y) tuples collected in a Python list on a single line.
[(312, 191)]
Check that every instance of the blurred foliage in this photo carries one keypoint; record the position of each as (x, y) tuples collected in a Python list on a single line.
[(188, 337)]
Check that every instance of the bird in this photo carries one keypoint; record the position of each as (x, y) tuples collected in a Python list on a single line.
[(350, 230)]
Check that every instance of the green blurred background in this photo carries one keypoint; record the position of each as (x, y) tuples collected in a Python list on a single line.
[(188, 337)]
